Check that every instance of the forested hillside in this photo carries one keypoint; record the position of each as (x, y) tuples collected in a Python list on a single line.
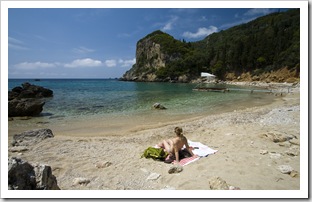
[(266, 46)]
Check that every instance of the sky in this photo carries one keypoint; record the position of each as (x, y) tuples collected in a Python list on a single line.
[(101, 42)]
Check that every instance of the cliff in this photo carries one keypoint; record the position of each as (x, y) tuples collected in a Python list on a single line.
[(265, 49), (154, 54)]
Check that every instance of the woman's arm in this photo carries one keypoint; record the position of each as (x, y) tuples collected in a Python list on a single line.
[(188, 147), (176, 155)]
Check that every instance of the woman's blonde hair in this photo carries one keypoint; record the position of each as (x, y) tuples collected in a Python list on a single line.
[(178, 130)]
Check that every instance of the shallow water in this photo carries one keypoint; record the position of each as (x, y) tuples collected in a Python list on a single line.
[(109, 106)]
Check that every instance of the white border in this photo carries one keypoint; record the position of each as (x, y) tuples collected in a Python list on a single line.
[(302, 193)]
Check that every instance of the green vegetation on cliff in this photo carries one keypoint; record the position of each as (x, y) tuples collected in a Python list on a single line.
[(266, 44)]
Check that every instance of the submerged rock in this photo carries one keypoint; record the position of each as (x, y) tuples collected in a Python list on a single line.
[(158, 106)]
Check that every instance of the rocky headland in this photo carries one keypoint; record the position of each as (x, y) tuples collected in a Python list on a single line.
[(227, 54)]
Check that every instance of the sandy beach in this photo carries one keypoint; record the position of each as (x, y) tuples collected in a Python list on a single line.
[(248, 156)]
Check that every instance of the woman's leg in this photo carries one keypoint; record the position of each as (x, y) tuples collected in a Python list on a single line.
[(166, 146)]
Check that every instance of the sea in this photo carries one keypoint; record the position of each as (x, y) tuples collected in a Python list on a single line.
[(111, 101)]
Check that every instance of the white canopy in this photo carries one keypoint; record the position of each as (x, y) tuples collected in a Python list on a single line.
[(205, 74)]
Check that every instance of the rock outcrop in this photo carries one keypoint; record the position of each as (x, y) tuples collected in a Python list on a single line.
[(153, 53), (25, 107), (31, 137), (29, 91), (24, 176), (27, 100)]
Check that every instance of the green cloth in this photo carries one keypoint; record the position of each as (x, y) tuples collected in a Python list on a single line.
[(155, 153)]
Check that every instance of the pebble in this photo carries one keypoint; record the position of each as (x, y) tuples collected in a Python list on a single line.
[(294, 141), (168, 188), (293, 151), (217, 183), (263, 152), (144, 170), (103, 164), (81, 181), (285, 169), (18, 149), (175, 169), (275, 155), (294, 173), (153, 176)]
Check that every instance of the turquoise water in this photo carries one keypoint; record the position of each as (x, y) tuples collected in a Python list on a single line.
[(104, 99)]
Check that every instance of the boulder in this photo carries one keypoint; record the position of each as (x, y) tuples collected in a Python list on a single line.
[(24, 176), (31, 137), (45, 180), (27, 100), (29, 91), (21, 175), (25, 107)]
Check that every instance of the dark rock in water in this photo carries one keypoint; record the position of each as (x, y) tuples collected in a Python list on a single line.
[(29, 91), (24, 176), (31, 137), (25, 107), (26, 100), (158, 106)]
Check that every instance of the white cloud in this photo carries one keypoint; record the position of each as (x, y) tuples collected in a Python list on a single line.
[(126, 63), (201, 32), (82, 50), (16, 44), (168, 25), (110, 63), (34, 65), (87, 62), (257, 11)]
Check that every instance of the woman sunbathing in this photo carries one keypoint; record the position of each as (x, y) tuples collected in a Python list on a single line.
[(174, 145)]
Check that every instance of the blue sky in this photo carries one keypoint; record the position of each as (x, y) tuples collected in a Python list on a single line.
[(101, 43)]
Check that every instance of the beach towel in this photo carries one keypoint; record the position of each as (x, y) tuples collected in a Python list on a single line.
[(199, 149), (188, 160)]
